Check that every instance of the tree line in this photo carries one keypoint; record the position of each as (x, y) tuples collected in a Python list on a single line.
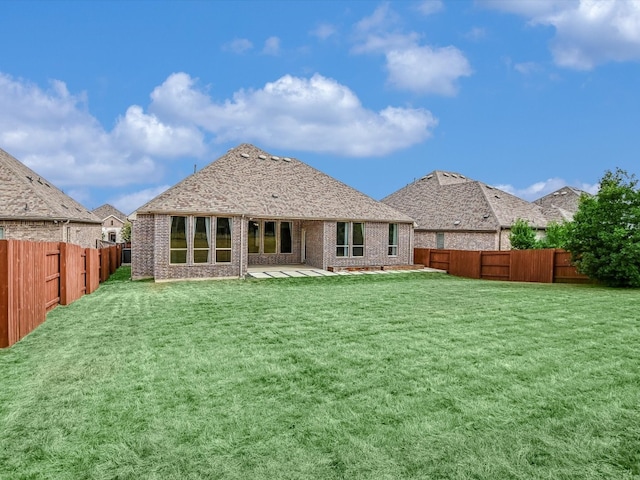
[(604, 235)]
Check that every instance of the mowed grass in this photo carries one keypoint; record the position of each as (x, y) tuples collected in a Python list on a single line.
[(366, 377)]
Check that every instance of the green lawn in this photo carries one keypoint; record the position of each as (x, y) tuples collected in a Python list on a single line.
[(366, 377)]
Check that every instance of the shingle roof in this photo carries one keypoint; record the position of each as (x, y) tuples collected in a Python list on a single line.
[(107, 210), (25, 195), (451, 201), (247, 180), (562, 204)]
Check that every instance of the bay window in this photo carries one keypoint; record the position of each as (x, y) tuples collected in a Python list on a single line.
[(191, 240)]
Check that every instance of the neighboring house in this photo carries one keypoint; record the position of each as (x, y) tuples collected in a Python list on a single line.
[(454, 212), (561, 205), (31, 208), (253, 208), (112, 222)]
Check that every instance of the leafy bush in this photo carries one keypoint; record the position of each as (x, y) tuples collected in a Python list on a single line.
[(604, 237), (556, 236), (522, 236)]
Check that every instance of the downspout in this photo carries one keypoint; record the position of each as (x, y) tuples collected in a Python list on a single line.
[(500, 238), (241, 245)]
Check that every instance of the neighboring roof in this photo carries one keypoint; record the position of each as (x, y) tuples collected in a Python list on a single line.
[(247, 180), (451, 201), (25, 195), (562, 204), (105, 211)]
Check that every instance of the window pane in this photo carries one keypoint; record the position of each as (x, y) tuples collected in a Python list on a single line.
[(254, 237), (178, 256), (358, 251), (393, 234), (393, 239), (342, 251), (200, 256), (223, 233), (358, 233), (202, 232), (342, 233), (1, 233), (178, 232), (223, 256), (269, 237), (439, 240), (285, 237)]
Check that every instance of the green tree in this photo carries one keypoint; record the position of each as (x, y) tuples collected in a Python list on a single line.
[(604, 237), (556, 236), (522, 236), (125, 232)]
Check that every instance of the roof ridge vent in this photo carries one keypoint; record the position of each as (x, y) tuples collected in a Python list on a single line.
[(245, 155), (273, 157), (262, 157), (286, 159)]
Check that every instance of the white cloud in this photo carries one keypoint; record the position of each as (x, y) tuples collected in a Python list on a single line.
[(418, 68), (145, 133), (542, 188), (238, 45), (324, 31), (588, 32), (527, 68), (427, 70), (129, 202), (52, 132), (316, 114), (271, 46), (429, 7), (476, 34)]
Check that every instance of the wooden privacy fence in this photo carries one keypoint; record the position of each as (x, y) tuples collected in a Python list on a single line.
[(545, 265), (35, 277)]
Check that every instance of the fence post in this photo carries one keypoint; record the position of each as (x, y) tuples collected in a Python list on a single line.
[(64, 277), (6, 283)]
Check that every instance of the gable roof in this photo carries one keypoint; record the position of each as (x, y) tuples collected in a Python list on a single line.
[(450, 201), (106, 210), (561, 205), (25, 195), (249, 181)]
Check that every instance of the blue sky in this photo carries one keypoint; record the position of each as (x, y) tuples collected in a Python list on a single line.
[(115, 101)]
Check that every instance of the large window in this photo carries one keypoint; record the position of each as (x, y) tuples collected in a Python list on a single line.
[(349, 239), (201, 240), (393, 239), (254, 237), (270, 238), (223, 240), (342, 239), (358, 240), (276, 237), (285, 237), (191, 240), (178, 245)]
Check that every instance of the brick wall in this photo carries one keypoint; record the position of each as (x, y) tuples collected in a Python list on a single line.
[(279, 258), (465, 240), (376, 240), (314, 240), (142, 237), (164, 270), (84, 234)]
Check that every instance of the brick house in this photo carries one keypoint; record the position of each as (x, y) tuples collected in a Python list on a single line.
[(456, 212), (561, 205), (112, 222), (252, 208), (32, 208)]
